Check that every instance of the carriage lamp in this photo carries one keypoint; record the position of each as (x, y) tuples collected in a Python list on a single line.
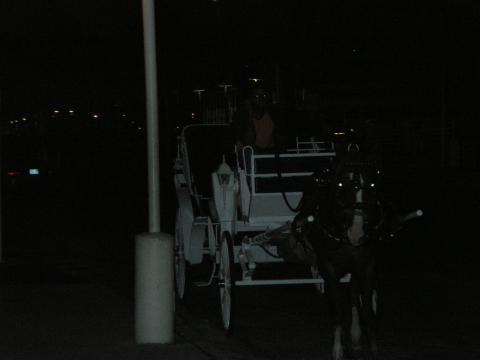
[(224, 173)]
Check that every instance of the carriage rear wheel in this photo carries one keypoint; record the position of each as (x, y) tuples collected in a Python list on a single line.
[(180, 262), (226, 281)]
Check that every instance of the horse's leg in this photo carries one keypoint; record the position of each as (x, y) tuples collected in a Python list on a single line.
[(333, 292), (369, 309), (355, 330)]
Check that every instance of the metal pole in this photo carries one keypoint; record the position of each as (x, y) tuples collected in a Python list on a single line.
[(152, 114), (1, 208), (154, 292), (1, 192)]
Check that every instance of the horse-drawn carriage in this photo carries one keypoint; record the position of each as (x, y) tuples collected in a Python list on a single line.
[(236, 207)]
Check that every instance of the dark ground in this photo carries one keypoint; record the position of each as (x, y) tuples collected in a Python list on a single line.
[(429, 304)]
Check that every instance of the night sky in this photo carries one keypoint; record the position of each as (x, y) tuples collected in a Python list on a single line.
[(89, 53)]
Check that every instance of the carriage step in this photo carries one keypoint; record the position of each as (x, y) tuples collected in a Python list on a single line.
[(201, 220), (248, 282)]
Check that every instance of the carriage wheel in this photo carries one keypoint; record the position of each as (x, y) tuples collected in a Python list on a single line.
[(226, 281), (180, 262)]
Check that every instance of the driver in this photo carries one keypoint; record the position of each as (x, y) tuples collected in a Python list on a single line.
[(255, 125)]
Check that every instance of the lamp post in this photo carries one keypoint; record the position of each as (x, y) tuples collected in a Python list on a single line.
[(154, 292), (225, 88)]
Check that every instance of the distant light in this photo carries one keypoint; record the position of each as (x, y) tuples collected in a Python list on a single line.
[(193, 115), (12, 122), (95, 116), (199, 93), (225, 87), (255, 80), (338, 133), (123, 115), (139, 128), (24, 119), (354, 50), (33, 172), (71, 111), (56, 111), (340, 184), (372, 185), (13, 173), (15, 121)]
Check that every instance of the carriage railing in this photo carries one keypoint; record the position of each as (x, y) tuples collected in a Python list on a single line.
[(312, 145), (271, 176)]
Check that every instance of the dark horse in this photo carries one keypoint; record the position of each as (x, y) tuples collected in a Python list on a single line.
[(341, 215)]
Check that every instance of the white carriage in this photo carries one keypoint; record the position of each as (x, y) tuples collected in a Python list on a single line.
[(232, 207)]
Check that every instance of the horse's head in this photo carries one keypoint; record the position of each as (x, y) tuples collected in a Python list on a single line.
[(355, 200)]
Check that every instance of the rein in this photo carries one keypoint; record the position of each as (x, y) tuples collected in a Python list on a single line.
[(282, 189)]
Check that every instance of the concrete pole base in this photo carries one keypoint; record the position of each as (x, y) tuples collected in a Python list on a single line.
[(154, 292)]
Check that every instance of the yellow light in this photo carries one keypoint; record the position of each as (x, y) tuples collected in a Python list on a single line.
[(95, 116), (225, 87), (338, 133)]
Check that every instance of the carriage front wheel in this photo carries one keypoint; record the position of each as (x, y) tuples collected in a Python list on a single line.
[(226, 280), (180, 262)]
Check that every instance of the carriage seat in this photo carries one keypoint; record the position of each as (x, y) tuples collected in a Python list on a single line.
[(265, 200), (206, 144)]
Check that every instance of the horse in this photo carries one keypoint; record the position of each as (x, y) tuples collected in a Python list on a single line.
[(341, 214)]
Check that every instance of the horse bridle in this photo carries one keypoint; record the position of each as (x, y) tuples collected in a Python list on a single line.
[(358, 208)]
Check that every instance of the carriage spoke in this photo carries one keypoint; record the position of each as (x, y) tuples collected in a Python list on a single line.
[(225, 281)]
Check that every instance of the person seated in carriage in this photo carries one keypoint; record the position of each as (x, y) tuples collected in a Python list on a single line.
[(257, 123)]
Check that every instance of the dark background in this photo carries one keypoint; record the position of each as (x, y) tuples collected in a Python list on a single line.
[(411, 67)]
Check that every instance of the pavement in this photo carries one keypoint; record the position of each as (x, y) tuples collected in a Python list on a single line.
[(62, 310)]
